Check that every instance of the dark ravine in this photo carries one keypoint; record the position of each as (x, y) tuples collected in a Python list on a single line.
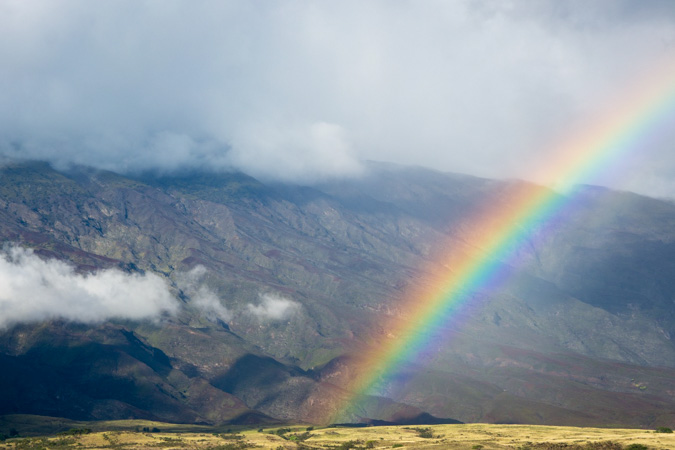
[(581, 335)]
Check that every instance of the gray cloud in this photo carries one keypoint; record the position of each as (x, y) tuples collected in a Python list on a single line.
[(302, 90), (33, 289), (273, 307), (307, 152)]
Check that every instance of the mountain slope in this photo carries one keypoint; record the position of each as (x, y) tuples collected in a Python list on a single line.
[(581, 334)]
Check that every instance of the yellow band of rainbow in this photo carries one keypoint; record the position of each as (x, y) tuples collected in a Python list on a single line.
[(500, 227)]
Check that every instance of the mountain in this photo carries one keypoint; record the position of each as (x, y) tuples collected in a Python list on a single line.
[(580, 334)]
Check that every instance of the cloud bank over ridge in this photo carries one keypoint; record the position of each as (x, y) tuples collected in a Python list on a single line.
[(301, 91)]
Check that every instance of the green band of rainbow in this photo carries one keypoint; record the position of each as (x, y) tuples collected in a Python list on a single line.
[(500, 228)]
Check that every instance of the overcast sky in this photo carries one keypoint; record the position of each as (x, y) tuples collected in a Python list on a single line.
[(305, 90)]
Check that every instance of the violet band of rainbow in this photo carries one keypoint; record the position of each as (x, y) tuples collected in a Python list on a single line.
[(501, 228)]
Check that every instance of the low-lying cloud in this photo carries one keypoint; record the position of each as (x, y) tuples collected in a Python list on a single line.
[(33, 289), (201, 297), (273, 307)]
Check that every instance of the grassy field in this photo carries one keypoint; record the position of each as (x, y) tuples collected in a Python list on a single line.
[(143, 434)]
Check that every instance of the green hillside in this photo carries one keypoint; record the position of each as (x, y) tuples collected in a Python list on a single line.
[(580, 335)]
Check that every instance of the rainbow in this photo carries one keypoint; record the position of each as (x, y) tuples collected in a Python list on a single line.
[(500, 227)]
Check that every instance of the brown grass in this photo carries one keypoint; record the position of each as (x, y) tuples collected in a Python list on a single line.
[(470, 436)]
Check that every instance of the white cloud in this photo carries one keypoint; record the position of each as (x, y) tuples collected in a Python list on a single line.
[(201, 297), (209, 304), (295, 153), (273, 307), (33, 289), (300, 90)]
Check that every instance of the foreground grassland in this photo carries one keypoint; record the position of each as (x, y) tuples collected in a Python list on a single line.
[(122, 435)]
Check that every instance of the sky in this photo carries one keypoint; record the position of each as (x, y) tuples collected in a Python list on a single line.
[(305, 91)]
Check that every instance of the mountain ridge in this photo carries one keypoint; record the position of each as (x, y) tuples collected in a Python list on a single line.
[(341, 253)]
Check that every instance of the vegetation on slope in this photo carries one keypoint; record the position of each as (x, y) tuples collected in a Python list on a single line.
[(581, 335)]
